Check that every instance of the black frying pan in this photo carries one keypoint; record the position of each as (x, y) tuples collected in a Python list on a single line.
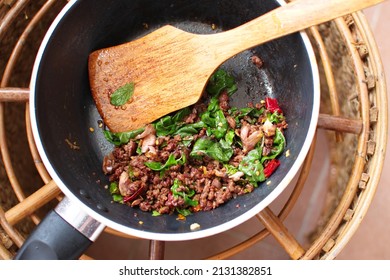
[(63, 111)]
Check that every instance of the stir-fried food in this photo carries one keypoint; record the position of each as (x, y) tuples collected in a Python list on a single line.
[(200, 157)]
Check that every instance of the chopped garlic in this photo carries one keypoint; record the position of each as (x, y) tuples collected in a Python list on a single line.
[(268, 128), (236, 176), (195, 226)]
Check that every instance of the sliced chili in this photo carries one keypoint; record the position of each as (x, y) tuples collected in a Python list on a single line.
[(272, 105), (134, 195), (271, 167)]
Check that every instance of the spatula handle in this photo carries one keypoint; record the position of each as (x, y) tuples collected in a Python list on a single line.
[(295, 16)]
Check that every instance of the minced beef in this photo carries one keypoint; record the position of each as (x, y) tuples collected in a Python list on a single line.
[(204, 180)]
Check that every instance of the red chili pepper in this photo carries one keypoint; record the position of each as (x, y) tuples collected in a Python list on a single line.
[(271, 167), (134, 195), (196, 208), (272, 105)]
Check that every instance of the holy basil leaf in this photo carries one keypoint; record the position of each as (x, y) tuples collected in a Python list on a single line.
[(120, 138), (213, 104), (155, 165), (221, 151), (200, 147), (113, 188), (117, 198), (171, 161), (186, 131), (168, 125), (216, 123), (213, 117), (275, 117), (181, 114), (252, 166), (278, 146), (186, 195), (238, 114), (115, 193), (188, 201), (122, 95), (219, 81), (230, 169), (221, 125), (184, 211), (187, 141), (155, 213), (256, 112), (165, 126), (229, 136), (189, 129)]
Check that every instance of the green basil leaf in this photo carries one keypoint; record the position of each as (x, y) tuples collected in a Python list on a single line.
[(230, 169), (117, 198), (183, 211), (275, 117), (171, 161), (175, 186), (155, 213), (229, 136), (154, 165), (190, 129), (221, 151), (190, 202), (113, 188), (186, 195), (216, 123), (238, 114), (120, 138), (122, 95), (181, 114), (278, 146), (213, 104), (186, 131), (200, 147), (219, 81), (252, 167), (256, 113), (165, 126), (168, 125), (221, 125)]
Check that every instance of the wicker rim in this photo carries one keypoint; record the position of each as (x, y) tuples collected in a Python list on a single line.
[(371, 129)]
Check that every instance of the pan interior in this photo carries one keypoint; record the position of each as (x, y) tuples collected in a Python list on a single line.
[(67, 121)]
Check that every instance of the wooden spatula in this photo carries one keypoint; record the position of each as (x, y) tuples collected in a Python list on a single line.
[(169, 68)]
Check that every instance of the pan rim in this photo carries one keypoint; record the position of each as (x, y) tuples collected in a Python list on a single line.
[(186, 235)]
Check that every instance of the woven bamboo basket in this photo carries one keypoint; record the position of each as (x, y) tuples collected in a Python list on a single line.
[(353, 117)]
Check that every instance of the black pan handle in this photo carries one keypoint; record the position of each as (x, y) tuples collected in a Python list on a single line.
[(64, 234)]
